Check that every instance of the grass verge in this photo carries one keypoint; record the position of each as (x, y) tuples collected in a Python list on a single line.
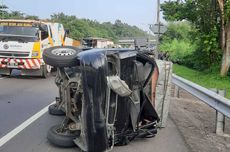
[(207, 80)]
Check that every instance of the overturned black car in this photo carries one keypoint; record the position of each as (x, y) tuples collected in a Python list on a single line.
[(106, 95)]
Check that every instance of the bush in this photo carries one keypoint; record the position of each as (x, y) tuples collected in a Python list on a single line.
[(188, 46), (178, 50)]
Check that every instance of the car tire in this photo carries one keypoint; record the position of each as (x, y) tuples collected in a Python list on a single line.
[(53, 110), (61, 56), (62, 139)]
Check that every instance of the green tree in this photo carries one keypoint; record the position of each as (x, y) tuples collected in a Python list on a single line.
[(3, 11), (177, 41), (16, 15), (32, 17), (211, 18), (224, 6), (81, 28), (204, 15)]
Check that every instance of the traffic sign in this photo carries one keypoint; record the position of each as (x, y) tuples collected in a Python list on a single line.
[(154, 28)]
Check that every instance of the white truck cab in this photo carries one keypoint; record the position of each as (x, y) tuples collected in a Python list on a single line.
[(22, 43)]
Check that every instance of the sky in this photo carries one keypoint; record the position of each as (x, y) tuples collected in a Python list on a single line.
[(134, 12)]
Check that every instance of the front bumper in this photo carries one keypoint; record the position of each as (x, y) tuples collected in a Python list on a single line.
[(15, 63)]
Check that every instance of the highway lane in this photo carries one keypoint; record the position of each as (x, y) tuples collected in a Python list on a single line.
[(33, 139), (22, 97)]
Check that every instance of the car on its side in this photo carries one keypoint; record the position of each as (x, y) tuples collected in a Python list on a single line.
[(106, 95)]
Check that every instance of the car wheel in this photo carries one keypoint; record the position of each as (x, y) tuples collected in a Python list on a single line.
[(62, 138), (53, 110), (65, 56)]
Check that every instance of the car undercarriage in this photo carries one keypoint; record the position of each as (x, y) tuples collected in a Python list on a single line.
[(105, 95)]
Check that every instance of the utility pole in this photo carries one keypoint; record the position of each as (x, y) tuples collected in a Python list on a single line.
[(1, 10), (158, 33)]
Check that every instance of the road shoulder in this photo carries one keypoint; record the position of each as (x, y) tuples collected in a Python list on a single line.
[(196, 122)]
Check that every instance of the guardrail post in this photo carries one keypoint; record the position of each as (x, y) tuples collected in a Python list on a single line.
[(220, 118), (176, 91)]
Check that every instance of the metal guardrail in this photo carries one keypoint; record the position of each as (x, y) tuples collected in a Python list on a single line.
[(214, 100)]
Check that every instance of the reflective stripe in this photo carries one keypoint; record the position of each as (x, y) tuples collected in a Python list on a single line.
[(36, 62), (27, 63), (24, 67), (28, 66), (2, 65), (33, 62)]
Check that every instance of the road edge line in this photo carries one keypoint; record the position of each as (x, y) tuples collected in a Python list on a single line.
[(25, 124)]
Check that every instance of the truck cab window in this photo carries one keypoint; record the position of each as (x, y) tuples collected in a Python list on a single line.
[(44, 32)]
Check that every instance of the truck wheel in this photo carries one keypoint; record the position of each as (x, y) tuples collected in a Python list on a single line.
[(65, 56), (53, 110), (62, 138), (45, 71)]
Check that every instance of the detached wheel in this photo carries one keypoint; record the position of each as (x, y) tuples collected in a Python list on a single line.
[(62, 138), (53, 110), (65, 56)]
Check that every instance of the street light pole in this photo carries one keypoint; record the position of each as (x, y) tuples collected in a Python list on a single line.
[(158, 33)]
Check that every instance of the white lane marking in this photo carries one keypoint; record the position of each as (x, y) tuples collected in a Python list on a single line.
[(25, 124)]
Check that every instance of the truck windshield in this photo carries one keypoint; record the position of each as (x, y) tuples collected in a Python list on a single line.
[(25, 33)]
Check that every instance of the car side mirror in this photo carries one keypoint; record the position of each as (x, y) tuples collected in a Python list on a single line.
[(67, 32)]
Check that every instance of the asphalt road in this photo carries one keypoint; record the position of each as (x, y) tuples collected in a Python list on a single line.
[(21, 97)]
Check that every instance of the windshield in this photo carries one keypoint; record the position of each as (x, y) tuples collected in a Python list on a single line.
[(19, 30), (14, 33)]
